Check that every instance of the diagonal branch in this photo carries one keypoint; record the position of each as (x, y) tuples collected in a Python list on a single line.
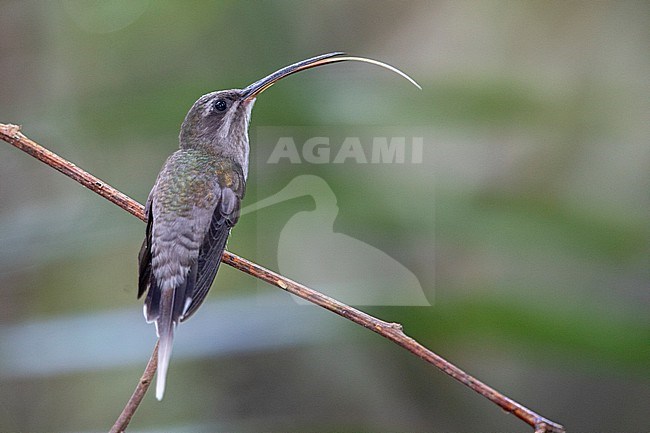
[(391, 331), (136, 398)]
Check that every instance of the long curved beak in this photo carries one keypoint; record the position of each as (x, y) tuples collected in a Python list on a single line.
[(252, 91)]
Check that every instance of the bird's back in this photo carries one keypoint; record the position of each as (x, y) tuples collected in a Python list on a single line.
[(190, 211)]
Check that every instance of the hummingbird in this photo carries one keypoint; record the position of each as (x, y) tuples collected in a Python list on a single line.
[(195, 202)]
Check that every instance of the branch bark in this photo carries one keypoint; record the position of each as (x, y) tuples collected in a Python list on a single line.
[(391, 331), (136, 398)]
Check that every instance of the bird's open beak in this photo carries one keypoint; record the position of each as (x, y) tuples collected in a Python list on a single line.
[(259, 86)]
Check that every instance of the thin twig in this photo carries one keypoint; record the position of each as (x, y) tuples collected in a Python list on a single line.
[(390, 331), (138, 394)]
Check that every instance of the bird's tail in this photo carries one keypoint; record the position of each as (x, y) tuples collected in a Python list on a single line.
[(165, 325)]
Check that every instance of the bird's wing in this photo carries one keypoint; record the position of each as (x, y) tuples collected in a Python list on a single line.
[(225, 216), (183, 245), (144, 257)]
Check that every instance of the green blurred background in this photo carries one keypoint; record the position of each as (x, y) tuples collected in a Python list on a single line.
[(526, 223)]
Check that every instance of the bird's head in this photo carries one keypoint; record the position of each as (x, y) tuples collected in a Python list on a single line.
[(219, 120)]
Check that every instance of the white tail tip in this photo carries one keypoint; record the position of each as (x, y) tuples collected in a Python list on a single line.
[(160, 388), (164, 354)]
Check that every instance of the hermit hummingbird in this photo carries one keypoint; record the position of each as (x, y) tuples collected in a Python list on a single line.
[(195, 202)]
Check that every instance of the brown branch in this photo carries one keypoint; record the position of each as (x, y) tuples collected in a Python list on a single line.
[(138, 394), (390, 331)]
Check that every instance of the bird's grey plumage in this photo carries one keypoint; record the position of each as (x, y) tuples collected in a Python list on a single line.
[(190, 211), (196, 200)]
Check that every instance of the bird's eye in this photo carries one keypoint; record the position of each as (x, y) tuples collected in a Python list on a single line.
[(220, 105)]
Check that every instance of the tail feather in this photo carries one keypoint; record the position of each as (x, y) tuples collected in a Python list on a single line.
[(164, 306), (152, 303), (165, 324)]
